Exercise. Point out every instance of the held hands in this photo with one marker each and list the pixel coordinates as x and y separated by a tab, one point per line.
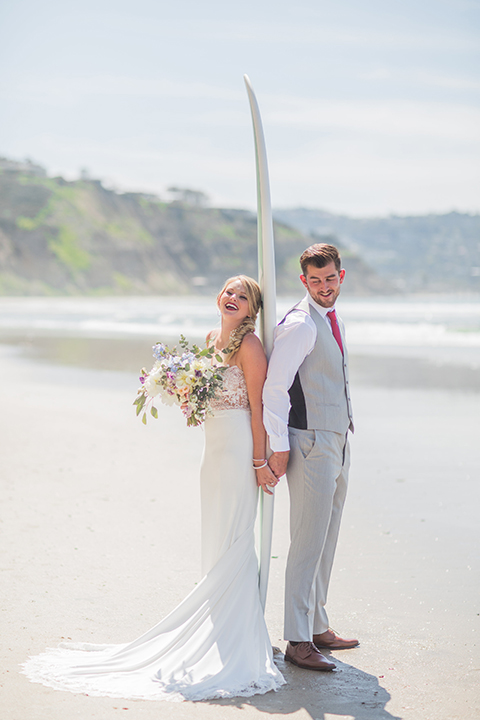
269	473
278	463
265	478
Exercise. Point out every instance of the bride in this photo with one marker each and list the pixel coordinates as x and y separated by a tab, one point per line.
215	643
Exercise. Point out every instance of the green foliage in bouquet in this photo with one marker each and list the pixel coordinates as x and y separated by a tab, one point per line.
187	377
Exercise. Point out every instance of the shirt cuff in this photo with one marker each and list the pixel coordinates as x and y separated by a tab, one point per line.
279	444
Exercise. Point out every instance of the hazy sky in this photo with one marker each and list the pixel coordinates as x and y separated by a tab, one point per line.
369	106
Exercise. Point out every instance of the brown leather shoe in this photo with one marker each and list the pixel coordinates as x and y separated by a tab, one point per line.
330	641
305	655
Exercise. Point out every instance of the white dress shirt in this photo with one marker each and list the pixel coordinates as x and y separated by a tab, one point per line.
294	340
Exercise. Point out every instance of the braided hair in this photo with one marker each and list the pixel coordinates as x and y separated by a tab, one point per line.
254	297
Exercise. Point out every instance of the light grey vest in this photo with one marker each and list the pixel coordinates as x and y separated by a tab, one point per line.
320	393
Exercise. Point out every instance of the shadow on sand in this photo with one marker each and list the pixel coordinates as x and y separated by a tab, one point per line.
345	692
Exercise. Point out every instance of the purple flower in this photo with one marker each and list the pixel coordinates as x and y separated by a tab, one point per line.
159	350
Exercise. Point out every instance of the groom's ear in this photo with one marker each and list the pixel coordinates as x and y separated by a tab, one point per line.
304	281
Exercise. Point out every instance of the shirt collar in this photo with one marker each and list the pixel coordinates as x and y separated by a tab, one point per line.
319	308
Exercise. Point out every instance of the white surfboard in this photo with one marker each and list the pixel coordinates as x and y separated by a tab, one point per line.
268	315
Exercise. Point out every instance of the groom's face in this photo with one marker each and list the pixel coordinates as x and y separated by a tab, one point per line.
323	284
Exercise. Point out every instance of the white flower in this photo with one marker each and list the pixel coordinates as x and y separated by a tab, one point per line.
184	379
168	398
152	383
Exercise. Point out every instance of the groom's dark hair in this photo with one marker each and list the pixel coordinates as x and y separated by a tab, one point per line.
319	255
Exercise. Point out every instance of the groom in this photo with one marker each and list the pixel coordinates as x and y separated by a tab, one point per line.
307	416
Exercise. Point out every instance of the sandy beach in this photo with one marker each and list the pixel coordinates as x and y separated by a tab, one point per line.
100	539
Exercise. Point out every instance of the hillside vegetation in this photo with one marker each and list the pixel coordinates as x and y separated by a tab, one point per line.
435	253
59	237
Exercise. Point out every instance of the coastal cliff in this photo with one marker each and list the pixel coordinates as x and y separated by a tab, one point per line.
60	237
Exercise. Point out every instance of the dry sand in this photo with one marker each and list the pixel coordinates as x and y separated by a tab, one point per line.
100	539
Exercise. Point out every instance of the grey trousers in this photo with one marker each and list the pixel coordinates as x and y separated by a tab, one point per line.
317	476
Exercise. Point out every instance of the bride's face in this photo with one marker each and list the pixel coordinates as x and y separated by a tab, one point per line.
233	302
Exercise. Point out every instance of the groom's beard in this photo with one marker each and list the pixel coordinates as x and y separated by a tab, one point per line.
326	301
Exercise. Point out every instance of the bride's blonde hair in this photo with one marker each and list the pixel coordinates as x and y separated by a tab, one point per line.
254	299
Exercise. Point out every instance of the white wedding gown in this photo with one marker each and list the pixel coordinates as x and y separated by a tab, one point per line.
215	644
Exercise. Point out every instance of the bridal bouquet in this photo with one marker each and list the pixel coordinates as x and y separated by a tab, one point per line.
186	378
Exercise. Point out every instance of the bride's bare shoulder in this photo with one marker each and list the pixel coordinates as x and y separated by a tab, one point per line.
251	345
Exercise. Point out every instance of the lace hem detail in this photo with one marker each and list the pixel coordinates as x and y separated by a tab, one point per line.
49	669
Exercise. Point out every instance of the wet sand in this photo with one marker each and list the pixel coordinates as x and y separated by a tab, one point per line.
100	539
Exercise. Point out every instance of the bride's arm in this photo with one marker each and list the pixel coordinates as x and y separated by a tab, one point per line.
251	359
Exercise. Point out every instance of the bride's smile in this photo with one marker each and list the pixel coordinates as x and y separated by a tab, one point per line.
233	302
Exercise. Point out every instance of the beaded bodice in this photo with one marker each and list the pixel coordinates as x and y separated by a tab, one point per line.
233	394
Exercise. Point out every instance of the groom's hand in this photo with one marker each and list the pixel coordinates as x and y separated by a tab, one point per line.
278	463
266	480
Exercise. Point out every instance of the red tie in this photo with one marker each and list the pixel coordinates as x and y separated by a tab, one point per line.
335	329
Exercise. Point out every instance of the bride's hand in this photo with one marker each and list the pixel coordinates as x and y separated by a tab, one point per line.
266	479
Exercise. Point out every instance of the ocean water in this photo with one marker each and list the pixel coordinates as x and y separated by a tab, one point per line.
421	343
429	322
